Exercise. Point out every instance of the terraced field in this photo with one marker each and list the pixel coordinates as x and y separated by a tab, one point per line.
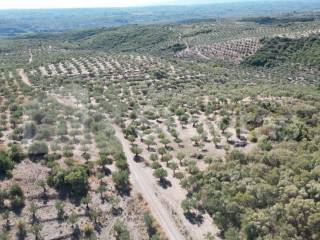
235	41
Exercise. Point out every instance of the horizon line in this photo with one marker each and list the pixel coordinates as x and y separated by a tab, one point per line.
139	6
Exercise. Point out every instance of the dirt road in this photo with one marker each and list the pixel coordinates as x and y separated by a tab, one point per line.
24	76
143	184
30	56
164	204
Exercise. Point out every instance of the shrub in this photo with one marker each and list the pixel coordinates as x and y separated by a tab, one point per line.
120	231
6	164
73	181
16	196
160	74
38	150
265	144
88	231
30	130
160	173
38	116
16	153
121	180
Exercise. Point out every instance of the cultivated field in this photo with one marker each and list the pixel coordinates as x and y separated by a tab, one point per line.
188	140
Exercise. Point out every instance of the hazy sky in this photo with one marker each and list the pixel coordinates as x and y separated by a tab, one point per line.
7	4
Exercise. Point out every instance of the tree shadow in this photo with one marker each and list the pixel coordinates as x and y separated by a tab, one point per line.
22	235
240	144
218	146
124	191
64	194
61	218
194	218
107	171
98	227
18	209
45	198
164	183
116	211
151	149
169	148
189	194
36	157
76	234
138	159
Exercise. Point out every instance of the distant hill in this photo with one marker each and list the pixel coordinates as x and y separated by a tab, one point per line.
281	50
59	20
131	38
283	20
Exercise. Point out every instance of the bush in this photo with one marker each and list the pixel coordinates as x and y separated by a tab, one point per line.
38	150
6	164
265	144
38	116
120	231
178	47
16	190
30	130
52	157
67	153
236	155
16	153
17	203
16	196
88	231
150	224
160	74
21	229
121	180
73	181
44	134
160	173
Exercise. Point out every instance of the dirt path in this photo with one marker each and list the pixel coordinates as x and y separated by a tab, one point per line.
24	76
141	182
164	204
31	56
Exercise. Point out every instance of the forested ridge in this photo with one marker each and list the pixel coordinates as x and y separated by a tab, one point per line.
279	50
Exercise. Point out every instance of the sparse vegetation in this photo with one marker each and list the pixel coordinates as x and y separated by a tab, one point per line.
214	121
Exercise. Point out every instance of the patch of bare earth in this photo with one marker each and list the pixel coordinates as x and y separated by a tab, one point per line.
24	76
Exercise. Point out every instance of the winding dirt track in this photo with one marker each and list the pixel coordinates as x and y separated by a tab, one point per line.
141	181
143	184
24	76
31	56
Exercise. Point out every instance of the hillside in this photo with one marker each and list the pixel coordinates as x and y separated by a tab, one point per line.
283	20
280	50
131	38
134	38
206	128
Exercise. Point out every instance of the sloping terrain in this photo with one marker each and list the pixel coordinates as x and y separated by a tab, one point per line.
158	132
134	38
280	50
